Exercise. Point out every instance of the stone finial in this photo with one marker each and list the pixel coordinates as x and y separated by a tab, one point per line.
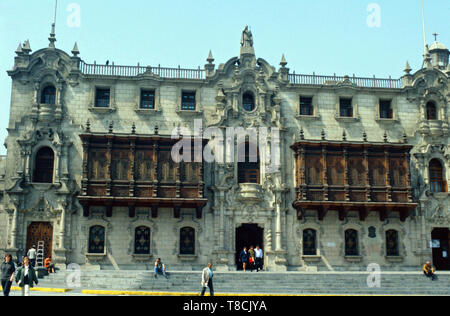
344	136
385	137
302	134
88	126
133	129
52	38
156	131
407	68
75	50
324	136
210	58
111	127
427	58
26	47
19	50
283	62
365	136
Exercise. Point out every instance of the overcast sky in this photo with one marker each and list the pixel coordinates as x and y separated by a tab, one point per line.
359	37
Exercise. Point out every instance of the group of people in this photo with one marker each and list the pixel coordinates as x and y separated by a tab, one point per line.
48	264
251	259
25	275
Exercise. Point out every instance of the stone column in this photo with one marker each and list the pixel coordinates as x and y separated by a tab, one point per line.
278	245
13	244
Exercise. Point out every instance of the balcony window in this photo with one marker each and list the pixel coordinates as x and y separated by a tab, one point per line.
48	95
431	111
386	111
188	101
248	165
248	102
437	182
43	168
345	107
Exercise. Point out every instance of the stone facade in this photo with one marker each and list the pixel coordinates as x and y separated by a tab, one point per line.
218	92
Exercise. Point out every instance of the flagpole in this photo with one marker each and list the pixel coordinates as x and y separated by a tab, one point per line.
423	26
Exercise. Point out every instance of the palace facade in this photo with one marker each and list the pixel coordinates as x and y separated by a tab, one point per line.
364	164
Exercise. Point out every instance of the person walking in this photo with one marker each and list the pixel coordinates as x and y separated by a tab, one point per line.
160	268
251	258
32	256
207	280
7	274
259	258
428	270
243	257
26	277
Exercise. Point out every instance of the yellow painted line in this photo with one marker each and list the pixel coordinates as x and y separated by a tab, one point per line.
42	289
142	293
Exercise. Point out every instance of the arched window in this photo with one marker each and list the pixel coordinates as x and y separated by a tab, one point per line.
142	240
351	243
43	166
187	241
431	111
48	95
248	164
248	101
309	242
437	182
392	248
97	239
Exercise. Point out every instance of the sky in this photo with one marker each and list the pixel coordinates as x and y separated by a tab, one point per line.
361	37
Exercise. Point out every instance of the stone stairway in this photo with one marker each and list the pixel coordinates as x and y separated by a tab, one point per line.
392	283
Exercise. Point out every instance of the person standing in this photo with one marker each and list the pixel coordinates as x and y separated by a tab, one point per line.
32	256
26	277
207	280
243	257
7	270
259	258
251	258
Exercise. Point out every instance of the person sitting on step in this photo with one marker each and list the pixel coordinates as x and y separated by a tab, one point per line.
428	270
160	268
49	265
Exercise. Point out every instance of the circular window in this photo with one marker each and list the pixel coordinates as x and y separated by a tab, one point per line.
248	102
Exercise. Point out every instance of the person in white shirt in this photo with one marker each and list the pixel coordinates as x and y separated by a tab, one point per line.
32	256
259	258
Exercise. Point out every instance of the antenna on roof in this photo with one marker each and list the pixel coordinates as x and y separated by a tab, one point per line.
423	27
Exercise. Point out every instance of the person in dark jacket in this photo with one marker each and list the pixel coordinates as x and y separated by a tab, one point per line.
7	270
243	257
26	277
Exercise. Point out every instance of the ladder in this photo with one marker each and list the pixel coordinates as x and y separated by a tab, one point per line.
40	255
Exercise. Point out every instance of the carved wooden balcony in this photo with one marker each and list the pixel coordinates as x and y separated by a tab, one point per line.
353	176
138	171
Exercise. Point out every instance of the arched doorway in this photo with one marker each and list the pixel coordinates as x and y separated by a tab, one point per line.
40	231
441	248
248	235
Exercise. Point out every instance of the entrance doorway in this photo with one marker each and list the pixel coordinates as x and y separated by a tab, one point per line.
40	231
248	235
441	248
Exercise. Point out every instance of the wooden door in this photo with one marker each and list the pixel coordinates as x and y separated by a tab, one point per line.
40	231
441	255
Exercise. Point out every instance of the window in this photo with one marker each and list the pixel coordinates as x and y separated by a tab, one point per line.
351	243
248	102
309	242
147	99
187	241
188	101
48	95
102	97
306	106
43	167
372	232
392	249
346	107
437	182
386	109
97	239
248	164
431	111
142	241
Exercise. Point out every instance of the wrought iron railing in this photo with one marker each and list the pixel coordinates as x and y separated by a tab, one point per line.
133	71
333	80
